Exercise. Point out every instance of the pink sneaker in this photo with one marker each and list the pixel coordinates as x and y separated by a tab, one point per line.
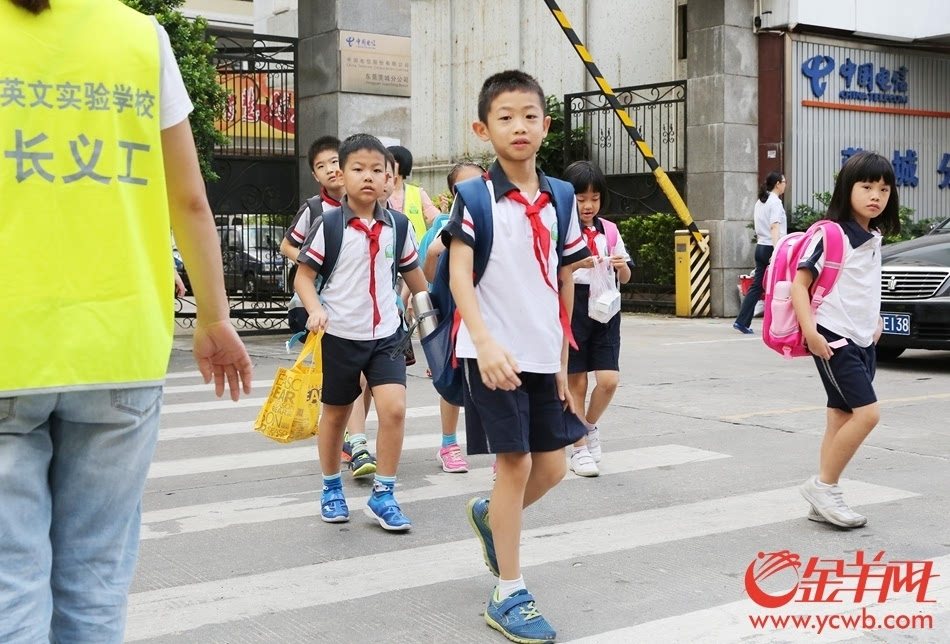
451	459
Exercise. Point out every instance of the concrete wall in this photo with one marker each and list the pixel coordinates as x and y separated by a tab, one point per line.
722	137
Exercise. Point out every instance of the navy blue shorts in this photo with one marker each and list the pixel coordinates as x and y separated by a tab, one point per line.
598	344
344	361
849	375
529	419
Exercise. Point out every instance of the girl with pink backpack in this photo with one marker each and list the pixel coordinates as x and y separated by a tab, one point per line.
841	325
598	343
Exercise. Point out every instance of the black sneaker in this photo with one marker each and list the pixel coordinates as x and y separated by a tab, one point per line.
362	463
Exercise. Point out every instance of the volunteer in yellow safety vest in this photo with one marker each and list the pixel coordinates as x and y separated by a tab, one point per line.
97	158
409	199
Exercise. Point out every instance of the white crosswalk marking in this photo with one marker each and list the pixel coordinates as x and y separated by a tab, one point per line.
209	388
179	375
210	516
182	608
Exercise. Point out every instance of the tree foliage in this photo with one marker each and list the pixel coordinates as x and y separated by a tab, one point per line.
551	154
193	50
649	241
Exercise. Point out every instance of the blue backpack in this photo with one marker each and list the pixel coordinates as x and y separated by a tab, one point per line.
439	346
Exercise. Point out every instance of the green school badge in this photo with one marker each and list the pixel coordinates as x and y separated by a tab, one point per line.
389	252
413	210
554	234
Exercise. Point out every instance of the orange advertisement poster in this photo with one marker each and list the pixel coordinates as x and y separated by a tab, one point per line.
254	109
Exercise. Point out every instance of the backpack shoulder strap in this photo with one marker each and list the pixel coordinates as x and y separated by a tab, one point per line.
612	233
315	204
477	199
400	224
333	225
833	239
564	207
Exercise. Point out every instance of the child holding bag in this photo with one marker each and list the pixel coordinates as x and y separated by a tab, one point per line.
598	343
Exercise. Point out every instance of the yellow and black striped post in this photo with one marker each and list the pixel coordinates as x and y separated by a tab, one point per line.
693	296
662	180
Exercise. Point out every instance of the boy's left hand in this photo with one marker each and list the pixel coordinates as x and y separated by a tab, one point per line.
563	391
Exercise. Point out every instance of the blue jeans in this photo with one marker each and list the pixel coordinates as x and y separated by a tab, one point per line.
763	255
72	472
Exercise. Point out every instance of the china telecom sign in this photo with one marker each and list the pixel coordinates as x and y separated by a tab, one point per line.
857	81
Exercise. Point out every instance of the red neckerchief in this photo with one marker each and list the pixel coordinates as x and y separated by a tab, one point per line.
591	235
327	198
373	236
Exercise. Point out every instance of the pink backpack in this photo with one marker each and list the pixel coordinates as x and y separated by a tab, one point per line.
780	330
612	233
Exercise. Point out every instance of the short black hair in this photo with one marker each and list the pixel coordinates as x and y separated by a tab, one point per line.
584	176
390	159
513	80
771	180
403	158
359	142
322	144
861	167
454	172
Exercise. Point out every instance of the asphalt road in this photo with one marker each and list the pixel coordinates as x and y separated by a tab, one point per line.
707	439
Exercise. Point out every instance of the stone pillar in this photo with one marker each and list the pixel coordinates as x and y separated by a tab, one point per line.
322	107
722	137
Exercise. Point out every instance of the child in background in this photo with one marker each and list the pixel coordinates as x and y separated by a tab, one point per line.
844	331
598	343
430	249
323	157
359	313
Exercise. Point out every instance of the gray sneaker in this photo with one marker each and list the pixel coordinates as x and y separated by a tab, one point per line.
813	515
829	504
593	444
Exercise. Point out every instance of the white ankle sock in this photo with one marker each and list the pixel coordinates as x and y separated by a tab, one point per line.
577	450
820	483
507	588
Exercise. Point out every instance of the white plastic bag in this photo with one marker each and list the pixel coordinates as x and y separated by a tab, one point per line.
604	295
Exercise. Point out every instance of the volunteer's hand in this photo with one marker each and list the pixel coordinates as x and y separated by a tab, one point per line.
220	354
819	346
317	320
443	203
618	261
563	391
179	286
498	368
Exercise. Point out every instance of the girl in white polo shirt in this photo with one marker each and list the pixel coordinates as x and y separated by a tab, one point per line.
843	333
598	343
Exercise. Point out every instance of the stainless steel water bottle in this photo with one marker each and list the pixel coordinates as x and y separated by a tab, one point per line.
426	315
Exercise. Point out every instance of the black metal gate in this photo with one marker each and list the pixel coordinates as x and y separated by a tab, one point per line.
659	113
256	194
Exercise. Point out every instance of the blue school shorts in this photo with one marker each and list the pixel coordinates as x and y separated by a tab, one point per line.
598	344
344	360
530	418
849	375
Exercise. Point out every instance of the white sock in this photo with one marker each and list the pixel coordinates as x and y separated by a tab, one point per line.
578	450
507	588
590	427
819	483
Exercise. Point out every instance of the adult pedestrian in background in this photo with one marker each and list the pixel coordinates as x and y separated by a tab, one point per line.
97	147
771	225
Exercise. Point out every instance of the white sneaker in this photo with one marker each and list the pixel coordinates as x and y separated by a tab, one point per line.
593	444
828	503
813	515
582	463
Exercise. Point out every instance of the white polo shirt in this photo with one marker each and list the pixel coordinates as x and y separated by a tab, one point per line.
582	275
300	226
853	307
346	295
521	311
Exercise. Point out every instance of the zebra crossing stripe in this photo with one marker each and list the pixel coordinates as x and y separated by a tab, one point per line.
182	374
212	405
278	455
182	608
730	622
170	522
247	426
209	388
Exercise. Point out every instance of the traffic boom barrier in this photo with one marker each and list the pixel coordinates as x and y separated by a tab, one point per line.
662	179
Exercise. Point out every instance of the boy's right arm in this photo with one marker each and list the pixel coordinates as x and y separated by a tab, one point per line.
498	368
288	250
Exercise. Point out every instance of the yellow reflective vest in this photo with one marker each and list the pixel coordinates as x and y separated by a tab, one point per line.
87	288
412	204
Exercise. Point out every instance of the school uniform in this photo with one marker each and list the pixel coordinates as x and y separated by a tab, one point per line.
850	314
598	343
364	326
300	225
520	306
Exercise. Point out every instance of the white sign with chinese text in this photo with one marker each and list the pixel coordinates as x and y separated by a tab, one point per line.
374	64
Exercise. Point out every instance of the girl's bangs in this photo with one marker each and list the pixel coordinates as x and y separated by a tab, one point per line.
872	167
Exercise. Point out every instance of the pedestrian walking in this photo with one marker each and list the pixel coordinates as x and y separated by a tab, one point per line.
842	334
97	145
771	225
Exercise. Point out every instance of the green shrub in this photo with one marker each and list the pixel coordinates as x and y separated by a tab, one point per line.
551	154
649	240
193	50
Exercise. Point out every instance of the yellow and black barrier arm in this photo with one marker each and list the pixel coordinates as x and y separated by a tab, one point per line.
664	181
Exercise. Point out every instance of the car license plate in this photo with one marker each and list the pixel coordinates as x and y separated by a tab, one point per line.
896	323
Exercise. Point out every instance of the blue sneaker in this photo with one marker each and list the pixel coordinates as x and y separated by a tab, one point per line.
384	507
477	510
516	618
742	329
333	506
